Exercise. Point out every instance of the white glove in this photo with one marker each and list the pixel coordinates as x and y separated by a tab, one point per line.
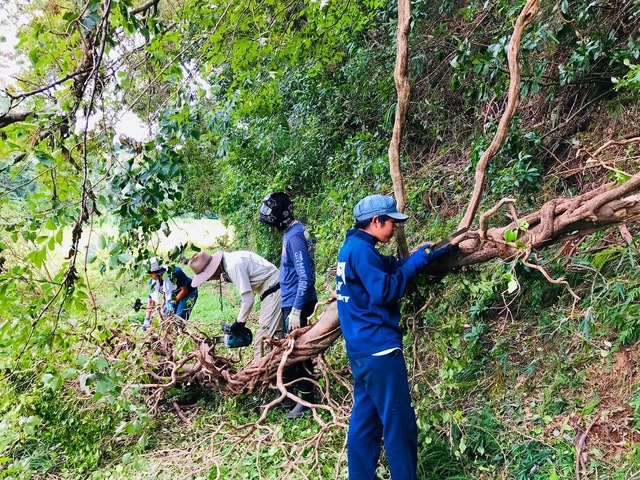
293	321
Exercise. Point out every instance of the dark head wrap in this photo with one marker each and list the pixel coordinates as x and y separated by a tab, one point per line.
276	210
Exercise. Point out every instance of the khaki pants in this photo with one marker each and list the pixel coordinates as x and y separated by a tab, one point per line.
270	318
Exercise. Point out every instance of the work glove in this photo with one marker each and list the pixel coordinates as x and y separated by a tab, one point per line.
423	256
293	320
171	307
237	327
446	250
137	305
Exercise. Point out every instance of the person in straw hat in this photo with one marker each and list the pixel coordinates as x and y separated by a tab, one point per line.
175	291
251	274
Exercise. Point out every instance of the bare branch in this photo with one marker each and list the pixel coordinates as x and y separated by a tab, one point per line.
14	117
144	7
403	88
527	16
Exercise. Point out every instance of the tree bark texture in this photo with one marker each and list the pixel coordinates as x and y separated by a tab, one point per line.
403	87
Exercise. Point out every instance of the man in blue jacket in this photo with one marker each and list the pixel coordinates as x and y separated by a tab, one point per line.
297	283
368	287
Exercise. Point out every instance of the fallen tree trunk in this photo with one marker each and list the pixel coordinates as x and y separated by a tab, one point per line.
561	219
208	370
309	343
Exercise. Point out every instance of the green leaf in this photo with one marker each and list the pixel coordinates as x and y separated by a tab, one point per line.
82	360
50	224
510	236
101	363
92	253
104	384
30	424
622	177
44	158
52	382
124	258
114	247
143	441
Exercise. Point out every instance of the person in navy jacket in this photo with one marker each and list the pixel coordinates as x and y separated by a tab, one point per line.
297	284
368	287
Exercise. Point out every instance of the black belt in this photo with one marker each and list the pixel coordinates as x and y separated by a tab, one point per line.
269	291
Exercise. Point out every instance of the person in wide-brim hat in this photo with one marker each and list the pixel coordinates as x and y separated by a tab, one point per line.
251	274
205	266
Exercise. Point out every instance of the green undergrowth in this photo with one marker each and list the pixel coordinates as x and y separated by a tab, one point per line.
507	381
502	381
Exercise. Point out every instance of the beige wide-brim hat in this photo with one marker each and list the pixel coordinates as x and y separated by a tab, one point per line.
204	266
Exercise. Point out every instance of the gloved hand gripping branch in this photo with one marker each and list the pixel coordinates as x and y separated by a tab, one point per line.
442	251
171	307
425	255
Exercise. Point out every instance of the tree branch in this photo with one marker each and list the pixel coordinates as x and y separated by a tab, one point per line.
527	15
14	117
144	7
403	88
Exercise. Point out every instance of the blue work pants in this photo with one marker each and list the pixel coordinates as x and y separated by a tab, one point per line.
185	305
382	408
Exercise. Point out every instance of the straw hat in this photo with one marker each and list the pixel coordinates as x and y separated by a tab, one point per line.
204	266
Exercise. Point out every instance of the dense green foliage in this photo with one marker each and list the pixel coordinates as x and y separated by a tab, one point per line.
245	98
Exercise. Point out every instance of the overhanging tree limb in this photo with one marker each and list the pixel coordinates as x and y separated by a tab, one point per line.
13	117
527	15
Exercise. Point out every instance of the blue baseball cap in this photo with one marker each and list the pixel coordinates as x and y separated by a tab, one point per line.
374	205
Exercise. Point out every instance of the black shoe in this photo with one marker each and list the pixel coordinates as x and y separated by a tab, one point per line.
286	403
298	411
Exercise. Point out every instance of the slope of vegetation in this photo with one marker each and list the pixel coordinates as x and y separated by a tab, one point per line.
514	375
